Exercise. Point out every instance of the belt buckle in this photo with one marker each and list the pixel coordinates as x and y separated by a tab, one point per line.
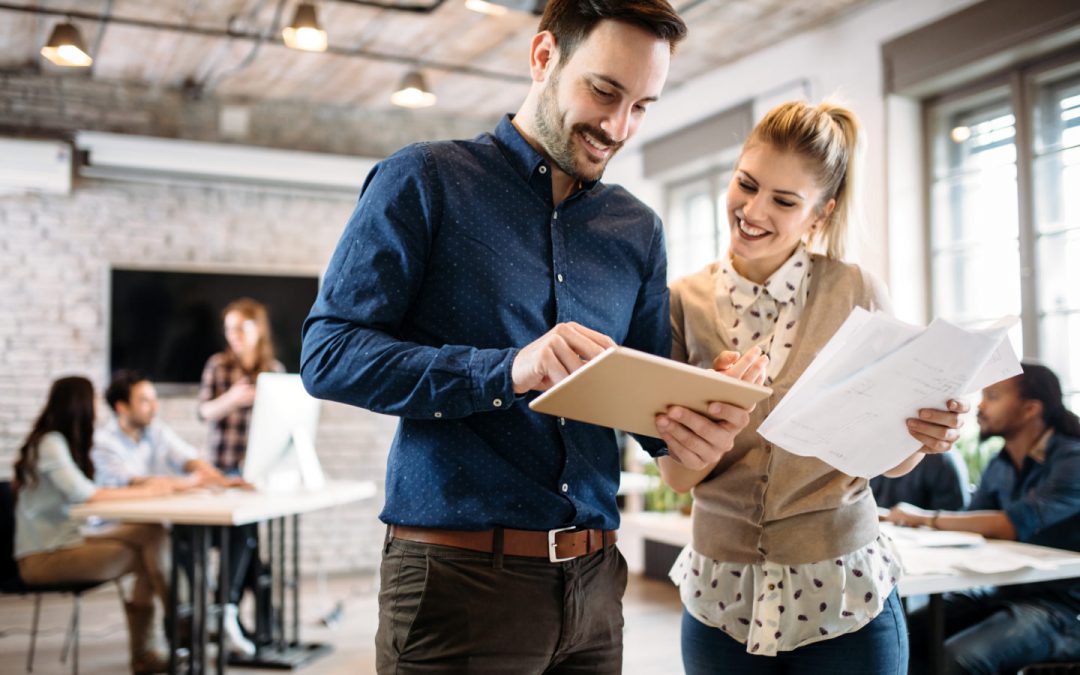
552	556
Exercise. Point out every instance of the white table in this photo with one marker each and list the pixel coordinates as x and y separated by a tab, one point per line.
940	572
201	512
947	569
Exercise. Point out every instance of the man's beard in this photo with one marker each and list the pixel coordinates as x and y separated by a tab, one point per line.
558	143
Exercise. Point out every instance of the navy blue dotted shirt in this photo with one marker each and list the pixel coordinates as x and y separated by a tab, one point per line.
454	259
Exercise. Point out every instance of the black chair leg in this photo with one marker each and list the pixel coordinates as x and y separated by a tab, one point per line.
33	633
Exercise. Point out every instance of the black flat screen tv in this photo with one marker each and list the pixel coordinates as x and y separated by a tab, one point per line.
167	323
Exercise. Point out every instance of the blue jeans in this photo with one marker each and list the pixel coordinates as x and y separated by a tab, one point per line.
989	631
878	648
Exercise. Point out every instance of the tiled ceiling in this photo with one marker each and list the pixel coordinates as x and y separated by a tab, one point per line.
476	64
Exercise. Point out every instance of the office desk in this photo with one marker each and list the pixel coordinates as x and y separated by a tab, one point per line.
940	570
204	512
946	569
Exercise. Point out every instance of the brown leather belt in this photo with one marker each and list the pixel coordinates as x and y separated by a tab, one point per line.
556	545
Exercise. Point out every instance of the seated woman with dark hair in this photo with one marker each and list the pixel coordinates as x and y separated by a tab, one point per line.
54	472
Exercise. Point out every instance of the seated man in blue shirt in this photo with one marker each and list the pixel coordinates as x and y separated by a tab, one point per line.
133	447
1030	492
471	275
938	483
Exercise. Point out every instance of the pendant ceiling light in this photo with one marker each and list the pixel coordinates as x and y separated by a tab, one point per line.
413	92
66	47
304	32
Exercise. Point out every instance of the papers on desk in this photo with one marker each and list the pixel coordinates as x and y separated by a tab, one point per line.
850	405
925	551
929	538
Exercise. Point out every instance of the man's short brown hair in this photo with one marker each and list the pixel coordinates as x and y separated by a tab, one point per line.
571	21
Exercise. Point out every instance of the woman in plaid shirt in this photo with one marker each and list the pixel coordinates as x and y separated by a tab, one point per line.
226	396
228	381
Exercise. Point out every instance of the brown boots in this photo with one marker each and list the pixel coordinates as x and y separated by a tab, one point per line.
146	656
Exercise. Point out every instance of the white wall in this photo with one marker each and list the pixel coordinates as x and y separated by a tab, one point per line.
842	57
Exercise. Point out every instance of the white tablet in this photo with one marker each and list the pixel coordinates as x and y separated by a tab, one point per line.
624	389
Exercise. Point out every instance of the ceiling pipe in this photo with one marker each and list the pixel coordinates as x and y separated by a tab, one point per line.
257	37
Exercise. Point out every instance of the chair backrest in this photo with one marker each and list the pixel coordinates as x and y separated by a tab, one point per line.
9	570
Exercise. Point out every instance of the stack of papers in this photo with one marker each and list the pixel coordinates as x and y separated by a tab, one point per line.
850	406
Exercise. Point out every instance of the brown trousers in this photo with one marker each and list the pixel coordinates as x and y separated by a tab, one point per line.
449	610
119	549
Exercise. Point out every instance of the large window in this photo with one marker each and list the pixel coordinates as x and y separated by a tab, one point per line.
696	222
1005	210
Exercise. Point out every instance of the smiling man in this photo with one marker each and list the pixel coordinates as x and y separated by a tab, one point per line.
471	275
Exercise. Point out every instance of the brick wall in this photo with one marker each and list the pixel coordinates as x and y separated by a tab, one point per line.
58	105
56	251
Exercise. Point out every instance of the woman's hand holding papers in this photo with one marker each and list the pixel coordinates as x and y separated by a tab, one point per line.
936	429
696	443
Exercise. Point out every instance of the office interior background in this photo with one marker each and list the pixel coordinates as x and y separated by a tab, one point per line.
197	141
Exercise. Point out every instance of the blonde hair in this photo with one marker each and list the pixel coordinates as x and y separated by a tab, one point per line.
829	139
253	310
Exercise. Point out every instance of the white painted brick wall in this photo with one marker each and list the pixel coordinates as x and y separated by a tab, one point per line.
55	253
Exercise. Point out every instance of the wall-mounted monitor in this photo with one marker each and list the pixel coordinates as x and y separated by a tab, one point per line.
166	323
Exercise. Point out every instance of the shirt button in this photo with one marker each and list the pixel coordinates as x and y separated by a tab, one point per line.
562	421
543	169
555	216
772	587
565	487
438	414
497	403
559	277
764	479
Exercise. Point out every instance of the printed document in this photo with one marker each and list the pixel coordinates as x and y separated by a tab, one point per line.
850	406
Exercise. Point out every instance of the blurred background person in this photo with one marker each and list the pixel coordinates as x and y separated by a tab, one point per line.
134	446
938	482
226	397
1030	492
53	472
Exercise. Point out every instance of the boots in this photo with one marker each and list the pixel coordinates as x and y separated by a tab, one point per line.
146	658
235	640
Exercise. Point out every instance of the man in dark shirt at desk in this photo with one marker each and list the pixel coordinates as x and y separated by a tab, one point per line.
1030	492
938	483
472	274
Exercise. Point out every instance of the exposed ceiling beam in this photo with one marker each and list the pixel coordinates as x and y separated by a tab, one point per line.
234	34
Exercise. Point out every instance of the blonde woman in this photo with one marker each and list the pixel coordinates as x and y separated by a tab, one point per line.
787	571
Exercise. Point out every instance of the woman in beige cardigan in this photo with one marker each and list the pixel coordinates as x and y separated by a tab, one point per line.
787	571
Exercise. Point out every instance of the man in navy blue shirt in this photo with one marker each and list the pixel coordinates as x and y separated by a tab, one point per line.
1030	492
471	275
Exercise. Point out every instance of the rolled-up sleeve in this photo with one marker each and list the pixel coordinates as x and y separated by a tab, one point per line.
352	351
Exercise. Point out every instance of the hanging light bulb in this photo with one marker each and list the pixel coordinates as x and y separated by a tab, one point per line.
485	7
66	47
304	32
413	92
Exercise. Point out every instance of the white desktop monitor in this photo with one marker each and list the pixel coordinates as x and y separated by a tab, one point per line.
281	438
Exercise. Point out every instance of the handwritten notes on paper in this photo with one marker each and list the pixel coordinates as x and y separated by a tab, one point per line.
850	406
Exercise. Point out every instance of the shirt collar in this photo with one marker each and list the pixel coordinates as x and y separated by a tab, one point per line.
782	285
113	427
524	157
1038	451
